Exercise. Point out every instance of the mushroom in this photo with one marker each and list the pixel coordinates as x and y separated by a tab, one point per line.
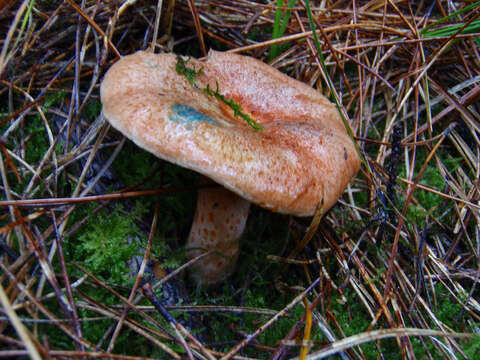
193	114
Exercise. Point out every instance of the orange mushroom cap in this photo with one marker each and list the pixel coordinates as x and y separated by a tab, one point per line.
302	156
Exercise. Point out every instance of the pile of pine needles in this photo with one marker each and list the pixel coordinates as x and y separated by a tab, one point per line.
400	250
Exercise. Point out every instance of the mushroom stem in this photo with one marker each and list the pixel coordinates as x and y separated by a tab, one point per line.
219	221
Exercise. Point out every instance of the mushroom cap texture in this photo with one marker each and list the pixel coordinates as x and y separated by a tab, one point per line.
302	156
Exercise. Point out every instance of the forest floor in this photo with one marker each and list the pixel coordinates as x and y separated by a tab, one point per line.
390	272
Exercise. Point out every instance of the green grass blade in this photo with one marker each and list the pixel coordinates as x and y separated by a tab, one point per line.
279	26
450	30
426	30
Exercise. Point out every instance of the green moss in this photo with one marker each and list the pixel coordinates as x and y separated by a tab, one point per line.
190	73
54	99
37	143
353	320
429	203
108	241
34	135
472	347
449	312
92	110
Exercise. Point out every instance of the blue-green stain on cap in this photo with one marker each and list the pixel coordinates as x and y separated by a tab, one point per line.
184	114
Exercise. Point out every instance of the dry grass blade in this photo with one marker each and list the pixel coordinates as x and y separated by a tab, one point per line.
21	330
86	218
351	341
86	199
94	25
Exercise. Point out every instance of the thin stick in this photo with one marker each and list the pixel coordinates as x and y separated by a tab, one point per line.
86	199
19	327
198	26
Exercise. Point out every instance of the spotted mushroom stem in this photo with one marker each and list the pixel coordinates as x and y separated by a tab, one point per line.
220	219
